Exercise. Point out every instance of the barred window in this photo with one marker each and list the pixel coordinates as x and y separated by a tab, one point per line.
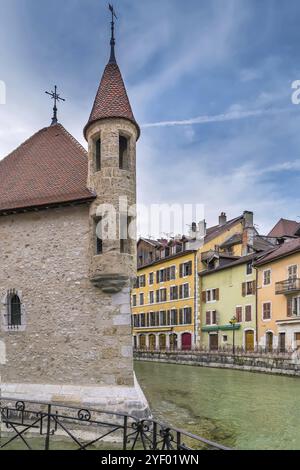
14	311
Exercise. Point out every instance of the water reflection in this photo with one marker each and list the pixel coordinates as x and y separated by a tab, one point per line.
238	409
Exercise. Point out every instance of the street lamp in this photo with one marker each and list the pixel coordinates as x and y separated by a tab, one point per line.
233	322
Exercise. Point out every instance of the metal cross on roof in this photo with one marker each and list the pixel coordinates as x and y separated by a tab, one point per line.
56	97
112	41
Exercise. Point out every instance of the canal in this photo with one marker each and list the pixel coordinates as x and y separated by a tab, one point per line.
239	409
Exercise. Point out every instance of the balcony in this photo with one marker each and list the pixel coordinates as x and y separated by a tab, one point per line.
290	286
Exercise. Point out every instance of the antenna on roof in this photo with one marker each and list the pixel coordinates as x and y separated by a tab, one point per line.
55	96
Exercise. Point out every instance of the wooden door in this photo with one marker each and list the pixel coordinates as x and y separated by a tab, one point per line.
213	342
269	342
162	342
282	342
173	341
152	342
249	340
142	342
297	340
186	342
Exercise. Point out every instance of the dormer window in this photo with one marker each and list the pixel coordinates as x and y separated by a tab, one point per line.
98	155
123	152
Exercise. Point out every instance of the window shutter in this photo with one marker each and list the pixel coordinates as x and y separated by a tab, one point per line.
190	268
217	294
244	289
290	307
180	291
208	318
181	270
157	277
204	296
214	317
254	286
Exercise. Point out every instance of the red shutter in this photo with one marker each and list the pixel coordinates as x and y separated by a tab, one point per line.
290	307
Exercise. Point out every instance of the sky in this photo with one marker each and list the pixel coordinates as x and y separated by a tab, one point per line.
209	82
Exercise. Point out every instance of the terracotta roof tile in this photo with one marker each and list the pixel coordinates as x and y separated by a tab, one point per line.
50	167
285	228
286	249
111	100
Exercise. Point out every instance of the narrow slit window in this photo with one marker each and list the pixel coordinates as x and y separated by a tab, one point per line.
98	239
125	242
123	153
98	155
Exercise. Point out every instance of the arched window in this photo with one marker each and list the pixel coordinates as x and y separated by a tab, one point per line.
14	311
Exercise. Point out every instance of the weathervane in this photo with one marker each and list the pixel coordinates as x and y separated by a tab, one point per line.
55	96
112	41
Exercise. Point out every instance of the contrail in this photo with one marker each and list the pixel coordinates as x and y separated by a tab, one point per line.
230	116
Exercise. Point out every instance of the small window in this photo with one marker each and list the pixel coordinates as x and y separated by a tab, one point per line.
151	297
225	338
14	312
141	299
267	311
134	300
98	155
151	279
249	268
293	271
99	242
239	314
248	313
123	153
267	277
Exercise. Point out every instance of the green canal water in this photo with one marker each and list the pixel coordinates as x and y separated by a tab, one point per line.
239	409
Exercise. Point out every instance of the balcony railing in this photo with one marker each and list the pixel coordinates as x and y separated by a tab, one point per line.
288	286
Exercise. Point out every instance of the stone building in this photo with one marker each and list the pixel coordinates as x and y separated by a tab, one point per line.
65	331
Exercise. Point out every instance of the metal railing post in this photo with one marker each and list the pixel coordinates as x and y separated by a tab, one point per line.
47	441
125	433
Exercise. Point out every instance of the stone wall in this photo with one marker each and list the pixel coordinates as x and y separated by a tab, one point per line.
73	333
251	363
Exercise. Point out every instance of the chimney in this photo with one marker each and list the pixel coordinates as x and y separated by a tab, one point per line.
248	219
201	232
248	233
222	219
193	230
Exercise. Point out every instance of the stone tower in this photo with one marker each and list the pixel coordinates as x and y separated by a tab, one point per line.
112	133
65	314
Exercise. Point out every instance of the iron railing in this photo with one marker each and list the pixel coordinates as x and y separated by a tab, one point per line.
288	286
226	350
41	426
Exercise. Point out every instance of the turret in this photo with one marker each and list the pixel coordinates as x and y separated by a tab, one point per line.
112	133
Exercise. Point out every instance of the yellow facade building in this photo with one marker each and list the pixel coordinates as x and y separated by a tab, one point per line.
166	301
278	297
163	303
